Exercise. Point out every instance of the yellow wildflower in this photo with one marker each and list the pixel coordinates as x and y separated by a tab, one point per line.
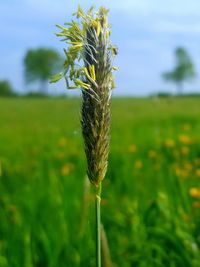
196	204
178	171
188	166
66	169
169	143
194	192
185	139
197	172
62	141
138	164
152	154
185	150
132	148
181	172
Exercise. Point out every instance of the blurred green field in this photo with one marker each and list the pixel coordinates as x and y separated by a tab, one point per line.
151	195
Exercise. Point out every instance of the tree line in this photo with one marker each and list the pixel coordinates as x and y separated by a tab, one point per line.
183	70
40	64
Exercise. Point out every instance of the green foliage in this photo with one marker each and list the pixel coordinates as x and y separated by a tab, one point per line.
40	64
184	69
6	89
151	201
161	94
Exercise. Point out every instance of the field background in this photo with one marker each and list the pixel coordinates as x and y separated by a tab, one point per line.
151	195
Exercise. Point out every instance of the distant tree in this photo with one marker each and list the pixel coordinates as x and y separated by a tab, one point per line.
40	64
6	89
183	70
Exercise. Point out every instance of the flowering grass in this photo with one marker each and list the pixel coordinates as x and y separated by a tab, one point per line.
152	209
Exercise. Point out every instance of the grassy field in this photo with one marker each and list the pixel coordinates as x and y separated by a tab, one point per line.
151	195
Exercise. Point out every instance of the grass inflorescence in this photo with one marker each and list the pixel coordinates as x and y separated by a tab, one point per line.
90	47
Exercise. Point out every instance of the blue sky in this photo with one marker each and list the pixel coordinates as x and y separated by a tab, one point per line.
145	31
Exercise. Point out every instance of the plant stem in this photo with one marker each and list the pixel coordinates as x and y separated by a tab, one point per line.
98	226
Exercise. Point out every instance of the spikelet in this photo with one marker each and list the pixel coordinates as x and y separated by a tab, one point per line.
96	105
90	47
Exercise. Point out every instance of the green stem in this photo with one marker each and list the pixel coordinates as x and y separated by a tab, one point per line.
98	226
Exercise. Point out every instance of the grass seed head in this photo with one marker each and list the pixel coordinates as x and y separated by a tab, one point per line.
89	66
